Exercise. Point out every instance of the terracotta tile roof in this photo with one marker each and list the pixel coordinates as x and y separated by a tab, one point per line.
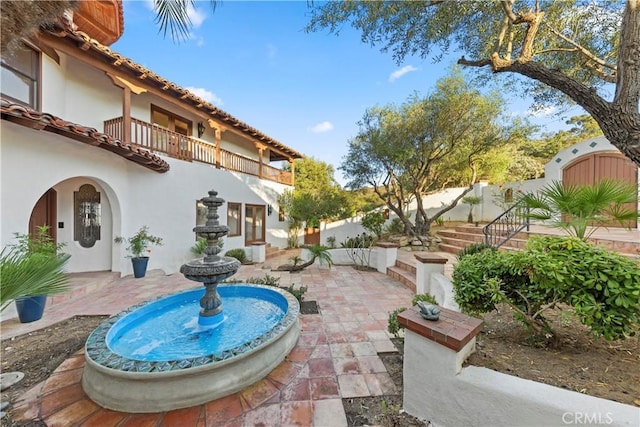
85	42
31	118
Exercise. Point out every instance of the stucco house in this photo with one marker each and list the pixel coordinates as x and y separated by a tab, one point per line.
96	146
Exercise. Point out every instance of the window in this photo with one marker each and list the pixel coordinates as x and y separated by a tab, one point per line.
20	76
86	216
170	121
234	219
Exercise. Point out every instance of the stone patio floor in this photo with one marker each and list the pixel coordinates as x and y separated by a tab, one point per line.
335	357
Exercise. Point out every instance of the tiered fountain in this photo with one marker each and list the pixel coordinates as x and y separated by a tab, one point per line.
165	355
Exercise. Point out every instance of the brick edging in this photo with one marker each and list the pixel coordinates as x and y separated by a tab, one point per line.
452	330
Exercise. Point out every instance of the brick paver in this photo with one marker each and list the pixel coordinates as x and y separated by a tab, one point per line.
335	357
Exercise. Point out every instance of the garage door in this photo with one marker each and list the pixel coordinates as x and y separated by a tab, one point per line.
592	168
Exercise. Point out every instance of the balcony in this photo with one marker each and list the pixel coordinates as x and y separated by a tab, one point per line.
160	140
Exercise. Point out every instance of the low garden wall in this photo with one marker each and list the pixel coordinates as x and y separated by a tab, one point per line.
438	389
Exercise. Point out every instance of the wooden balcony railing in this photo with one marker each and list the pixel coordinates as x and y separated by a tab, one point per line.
158	139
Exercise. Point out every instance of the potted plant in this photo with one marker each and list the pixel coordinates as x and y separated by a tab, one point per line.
31	270
139	248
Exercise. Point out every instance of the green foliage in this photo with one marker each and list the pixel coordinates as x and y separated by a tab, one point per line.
602	287
296	292
201	245
474	28
373	222
473	249
269	280
139	242
42	243
424	298
405	153
471	201
393	325
396	226
317	195
33	266
575	208
331	242
237	253
322	254
439	221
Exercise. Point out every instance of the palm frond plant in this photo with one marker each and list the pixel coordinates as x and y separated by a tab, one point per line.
28	275
33	266
580	210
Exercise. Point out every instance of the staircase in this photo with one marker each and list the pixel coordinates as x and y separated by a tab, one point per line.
273	251
404	273
622	241
453	241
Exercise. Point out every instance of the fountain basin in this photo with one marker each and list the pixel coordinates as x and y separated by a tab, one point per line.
133	382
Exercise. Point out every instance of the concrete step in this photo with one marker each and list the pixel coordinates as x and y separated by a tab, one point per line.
455	234
406	278
411	268
274	252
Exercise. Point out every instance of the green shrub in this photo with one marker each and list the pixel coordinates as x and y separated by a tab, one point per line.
396	226
201	245
269	280
602	287
393	325
238	254
425	298
373	222
473	249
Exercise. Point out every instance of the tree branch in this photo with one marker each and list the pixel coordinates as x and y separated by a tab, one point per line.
581	49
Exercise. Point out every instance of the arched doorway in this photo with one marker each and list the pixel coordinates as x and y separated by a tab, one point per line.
79	213
594	167
45	212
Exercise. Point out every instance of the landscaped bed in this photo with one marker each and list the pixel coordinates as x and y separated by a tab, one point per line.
607	369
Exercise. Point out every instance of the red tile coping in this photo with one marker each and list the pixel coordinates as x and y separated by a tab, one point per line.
387	245
431	259
453	330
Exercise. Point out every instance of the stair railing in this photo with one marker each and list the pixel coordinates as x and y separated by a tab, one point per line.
508	224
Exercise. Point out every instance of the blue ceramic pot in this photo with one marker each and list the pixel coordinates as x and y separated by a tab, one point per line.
31	308
139	266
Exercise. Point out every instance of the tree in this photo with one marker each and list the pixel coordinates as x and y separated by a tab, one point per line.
572	47
316	197
424	146
22	18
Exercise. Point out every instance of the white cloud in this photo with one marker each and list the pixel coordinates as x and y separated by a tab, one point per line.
205	94
321	127
401	72
196	16
272	52
542	111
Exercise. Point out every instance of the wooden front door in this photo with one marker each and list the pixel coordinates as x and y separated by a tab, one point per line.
45	213
593	168
254	219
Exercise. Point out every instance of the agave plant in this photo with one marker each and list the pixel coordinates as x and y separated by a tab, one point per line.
580	210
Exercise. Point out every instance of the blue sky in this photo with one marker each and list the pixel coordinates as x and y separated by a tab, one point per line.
308	91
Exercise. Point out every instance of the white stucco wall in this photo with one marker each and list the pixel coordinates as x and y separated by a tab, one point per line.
438	389
34	161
